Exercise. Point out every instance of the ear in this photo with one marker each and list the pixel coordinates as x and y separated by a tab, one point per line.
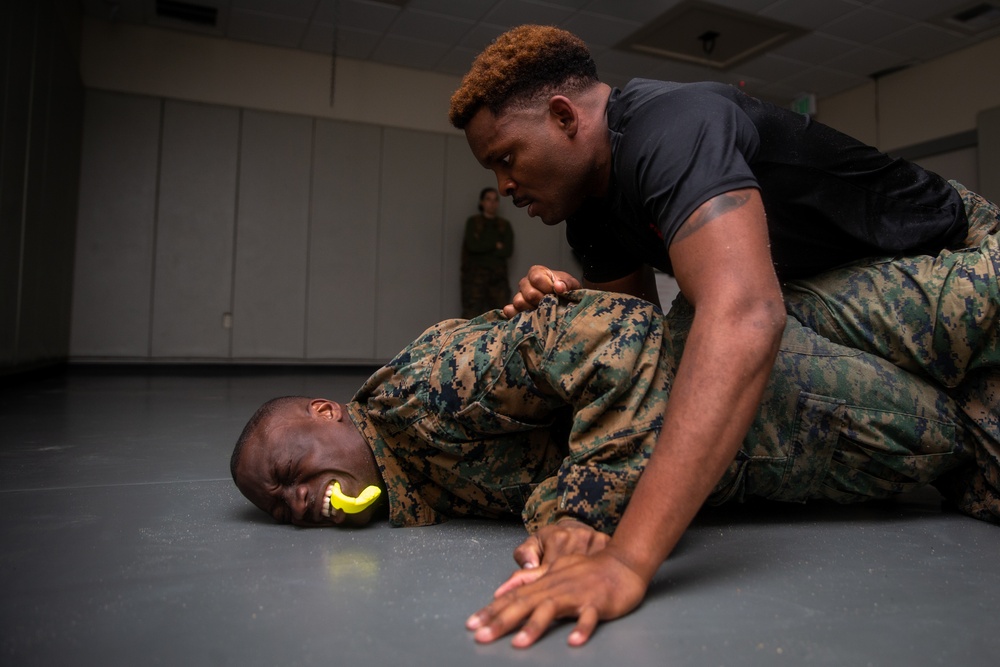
564	112
322	408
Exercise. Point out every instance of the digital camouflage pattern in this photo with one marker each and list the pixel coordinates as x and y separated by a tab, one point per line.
882	307
554	413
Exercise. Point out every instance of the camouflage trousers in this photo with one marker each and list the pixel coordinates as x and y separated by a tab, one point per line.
936	317
834	423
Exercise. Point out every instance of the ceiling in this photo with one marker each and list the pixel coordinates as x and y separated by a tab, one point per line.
844	44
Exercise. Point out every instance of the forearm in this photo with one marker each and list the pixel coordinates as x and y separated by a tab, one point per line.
716	393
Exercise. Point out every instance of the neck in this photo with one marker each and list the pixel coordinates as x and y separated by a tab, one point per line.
594	105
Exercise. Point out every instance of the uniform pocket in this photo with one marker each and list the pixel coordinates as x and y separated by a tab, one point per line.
883	453
793	465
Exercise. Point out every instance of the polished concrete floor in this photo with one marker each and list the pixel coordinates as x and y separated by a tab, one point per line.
124	542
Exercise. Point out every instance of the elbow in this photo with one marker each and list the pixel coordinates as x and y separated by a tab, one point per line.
769	318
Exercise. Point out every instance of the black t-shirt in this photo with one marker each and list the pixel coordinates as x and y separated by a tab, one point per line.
829	199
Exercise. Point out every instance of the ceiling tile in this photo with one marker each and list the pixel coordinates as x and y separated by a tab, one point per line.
431	27
519	12
129	11
598	29
769	67
632	10
265	28
921	42
570	4
298	9
403	52
631	65
809	13
365	15
866	26
814	49
922	10
746	6
480	36
466	9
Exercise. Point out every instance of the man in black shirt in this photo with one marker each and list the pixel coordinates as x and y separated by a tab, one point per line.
724	192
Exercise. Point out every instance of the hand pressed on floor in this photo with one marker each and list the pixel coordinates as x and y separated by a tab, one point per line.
594	588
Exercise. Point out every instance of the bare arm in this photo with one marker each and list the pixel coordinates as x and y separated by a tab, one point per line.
723	266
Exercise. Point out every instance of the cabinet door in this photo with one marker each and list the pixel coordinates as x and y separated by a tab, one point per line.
269	294
343	241
410	238
114	253
194	231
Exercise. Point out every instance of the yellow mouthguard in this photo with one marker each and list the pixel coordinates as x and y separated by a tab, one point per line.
348	505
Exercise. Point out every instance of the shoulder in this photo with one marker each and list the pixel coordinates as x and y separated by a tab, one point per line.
645	100
669	123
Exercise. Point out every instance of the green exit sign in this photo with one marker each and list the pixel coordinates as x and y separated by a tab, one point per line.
804	103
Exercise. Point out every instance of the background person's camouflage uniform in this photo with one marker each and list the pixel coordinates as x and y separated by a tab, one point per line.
554	413
486	247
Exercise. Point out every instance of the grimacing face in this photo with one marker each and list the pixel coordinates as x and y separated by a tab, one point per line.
289	471
534	157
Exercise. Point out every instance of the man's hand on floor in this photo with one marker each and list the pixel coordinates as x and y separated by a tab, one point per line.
594	588
538	551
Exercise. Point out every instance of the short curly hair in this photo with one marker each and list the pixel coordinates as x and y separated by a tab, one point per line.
518	67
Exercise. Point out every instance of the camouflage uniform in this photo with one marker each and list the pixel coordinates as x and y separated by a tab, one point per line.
882	307
554	413
486	247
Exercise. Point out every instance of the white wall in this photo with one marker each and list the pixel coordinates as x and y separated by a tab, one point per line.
222	188
922	103
401	183
183	66
928	103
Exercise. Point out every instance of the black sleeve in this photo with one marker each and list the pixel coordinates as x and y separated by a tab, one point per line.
677	149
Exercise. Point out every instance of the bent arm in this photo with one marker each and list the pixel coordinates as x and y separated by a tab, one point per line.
723	266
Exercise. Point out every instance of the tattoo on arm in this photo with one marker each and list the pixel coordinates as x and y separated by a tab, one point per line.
710	210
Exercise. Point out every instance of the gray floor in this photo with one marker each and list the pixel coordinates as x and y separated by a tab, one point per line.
125	542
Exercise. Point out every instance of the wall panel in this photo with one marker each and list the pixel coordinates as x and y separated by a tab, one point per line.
343	241
988	125
194	234
269	296
464	178
410	251
114	252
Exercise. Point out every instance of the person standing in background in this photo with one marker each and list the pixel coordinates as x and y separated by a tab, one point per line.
488	243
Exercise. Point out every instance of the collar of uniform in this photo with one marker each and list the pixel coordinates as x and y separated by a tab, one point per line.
406	507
